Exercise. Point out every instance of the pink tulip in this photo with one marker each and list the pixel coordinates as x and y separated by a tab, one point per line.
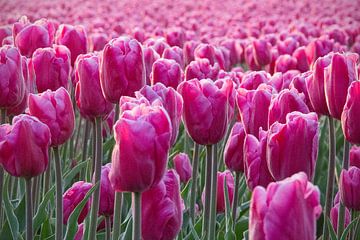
175	37
80	232
183	166
233	152
175	53
222	177
252	80
189	48
355	156
285	210
318	48
349	188
235	50
287	46
350	114
167	72
281	80
299	83
284	63
261	52
159	44
5	31
150	56
201	69
98	41
301	59
107	193
334	214
211	53
34	138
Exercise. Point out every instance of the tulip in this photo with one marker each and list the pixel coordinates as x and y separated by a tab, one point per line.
337	79
253	79
301	59
80	232
150	56
161	209
50	68
11	77
201	69
175	37
350	114
222	177
55	110
88	94
159	44
167	72
262	52
144	133
189	48
255	167
293	147
233	151
183	166
170	99
107	193
176	54
5	31
355	156
34	138
235	49
253	107
72	197
318	48
287	46
334	214
211	53
284	63
299	83
122	68
285	102
250	58
282	81
98	41
349	188
74	38
206	109
285	210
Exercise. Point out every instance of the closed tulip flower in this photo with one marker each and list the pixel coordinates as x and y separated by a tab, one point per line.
284	63
167	72
144	133
50	68
206	107
255	166
74	38
150	56
293	147
282	81
355	156
285	102
250	58
161	209
72	197
159	44
318	48
201	69
299	83
11	77
98	41
189	48
34	138
211	53
350	188
170	99
88	94
338	77
262	52
252	80
107	193
301	59
234	48
285	210
175	37
350	114
233	152
5	31
176	54
122	68
183	166
334	214
55	110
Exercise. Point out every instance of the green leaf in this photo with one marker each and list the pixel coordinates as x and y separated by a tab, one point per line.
9	211
69	176
348	228
331	229
127	235
46	230
72	225
42	215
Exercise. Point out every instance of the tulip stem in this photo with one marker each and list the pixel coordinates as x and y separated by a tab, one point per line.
213	196
136	215
341	219
195	164
97	178
47	175
235	199
3	121
29	227
59	204
107	228
208	167
117	112
330	177
117	216
85	146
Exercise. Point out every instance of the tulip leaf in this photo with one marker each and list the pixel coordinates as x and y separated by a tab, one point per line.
9	211
69	176
348	228
331	230
41	215
127	235
46	230
72	225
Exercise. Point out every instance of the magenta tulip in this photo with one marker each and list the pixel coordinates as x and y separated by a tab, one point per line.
262	52
175	37
349	188
299	83
5	31
80	232
350	114
98	41
233	151
252	80
355	156
301	58
234	48
189	48
211	53
176	54
150	56
183	166
201	69
167	72
282	81
334	214
224	178
107	193
285	63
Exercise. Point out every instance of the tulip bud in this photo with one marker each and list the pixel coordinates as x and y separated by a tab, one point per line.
161	209
50	68
334	214
251	80
80	232
211	53
201	69
55	110
233	152
301	59
88	94
235	50
349	188
122	68
150	56
34	138
189	48
355	156
183	166
285	210
144	133
175	53
175	37
206	107
98	41
261	52
5	31
107	193
287	46
159	44
167	72
72	197
74	38
299	83
284	63
337	79
318	48
293	147
250	59
281	80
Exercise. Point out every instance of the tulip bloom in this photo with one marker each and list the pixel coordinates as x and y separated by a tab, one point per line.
50	68
334	214
107	193
299	83
201	69
285	210
167	72
211	53
228	178
56	111
284	63
355	156
338	77
183	166
122	68
150	56
350	114
302	61
12	88
88	94
98	41
262	52
161	209
282	81
253	79
293	147
72	197
176	54
189	48
144	133
175	37
74	38
233	152
206	107
349	188
34	139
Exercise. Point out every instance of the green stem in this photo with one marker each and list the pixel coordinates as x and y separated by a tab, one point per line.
330	177
235	199
354	231
78	131
213	198
117	216
208	167
195	164
47	175
59	204
97	173
107	227
3	121
85	146
136	215
29	227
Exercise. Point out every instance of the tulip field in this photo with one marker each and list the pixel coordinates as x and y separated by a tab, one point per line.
185	120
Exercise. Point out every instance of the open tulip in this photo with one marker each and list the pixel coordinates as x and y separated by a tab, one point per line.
183	166
350	114
349	188
167	72
233	152
285	210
